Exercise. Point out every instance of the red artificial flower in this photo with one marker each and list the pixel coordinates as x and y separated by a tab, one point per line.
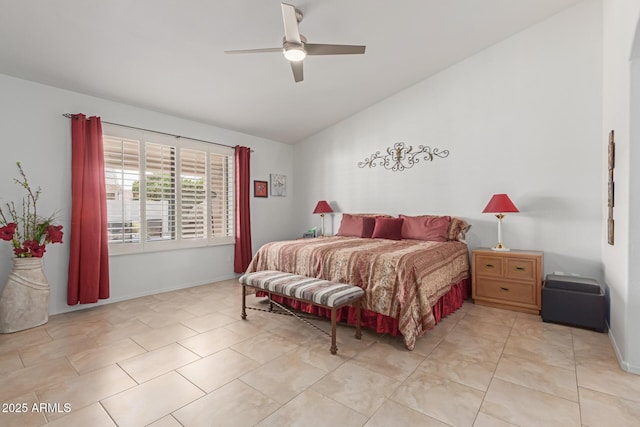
28	232
6	232
38	251
29	244
54	233
33	248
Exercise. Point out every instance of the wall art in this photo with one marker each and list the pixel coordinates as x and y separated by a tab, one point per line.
401	157
611	161
260	189
278	185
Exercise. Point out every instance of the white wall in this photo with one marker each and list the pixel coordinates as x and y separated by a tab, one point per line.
522	117
631	358
35	133
621	101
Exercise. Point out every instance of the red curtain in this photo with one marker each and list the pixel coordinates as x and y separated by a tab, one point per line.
89	256
243	216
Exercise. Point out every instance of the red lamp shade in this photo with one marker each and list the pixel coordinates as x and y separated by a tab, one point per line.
322	207
500	203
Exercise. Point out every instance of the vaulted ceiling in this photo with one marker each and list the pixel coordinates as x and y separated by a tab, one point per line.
168	55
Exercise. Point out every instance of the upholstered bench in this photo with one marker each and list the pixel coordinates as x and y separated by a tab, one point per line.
305	289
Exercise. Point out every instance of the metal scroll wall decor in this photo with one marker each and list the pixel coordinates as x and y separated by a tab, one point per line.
400	157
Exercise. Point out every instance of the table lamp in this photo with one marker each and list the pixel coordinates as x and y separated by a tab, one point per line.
499	204
322	208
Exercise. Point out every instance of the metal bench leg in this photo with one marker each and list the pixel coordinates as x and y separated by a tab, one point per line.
244	304
334	347
358	330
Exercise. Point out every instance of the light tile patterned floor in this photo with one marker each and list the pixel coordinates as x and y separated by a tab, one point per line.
186	358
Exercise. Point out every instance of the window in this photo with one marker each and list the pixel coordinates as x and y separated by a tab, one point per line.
166	192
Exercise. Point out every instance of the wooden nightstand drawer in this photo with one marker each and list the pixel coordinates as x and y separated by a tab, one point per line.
489	266
506	291
521	269
507	279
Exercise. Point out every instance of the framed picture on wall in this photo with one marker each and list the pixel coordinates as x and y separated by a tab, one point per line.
610	230
611	187
611	193
611	151
278	185
260	189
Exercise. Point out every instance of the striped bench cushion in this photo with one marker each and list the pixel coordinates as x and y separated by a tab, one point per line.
303	288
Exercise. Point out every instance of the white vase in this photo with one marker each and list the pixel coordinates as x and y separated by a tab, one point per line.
24	301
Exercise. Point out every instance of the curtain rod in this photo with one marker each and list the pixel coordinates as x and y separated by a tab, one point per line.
69	116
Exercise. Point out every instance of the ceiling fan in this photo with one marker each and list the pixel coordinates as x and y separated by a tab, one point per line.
295	46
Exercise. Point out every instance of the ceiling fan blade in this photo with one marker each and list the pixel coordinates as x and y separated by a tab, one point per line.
296	67
291	32
266	50
333	49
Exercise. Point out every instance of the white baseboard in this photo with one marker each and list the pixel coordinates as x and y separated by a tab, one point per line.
112	300
624	365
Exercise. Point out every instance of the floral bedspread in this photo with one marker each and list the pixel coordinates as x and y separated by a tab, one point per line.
402	279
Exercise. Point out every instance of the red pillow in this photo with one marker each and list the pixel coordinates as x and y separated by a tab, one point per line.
388	228
357	226
426	227
368	224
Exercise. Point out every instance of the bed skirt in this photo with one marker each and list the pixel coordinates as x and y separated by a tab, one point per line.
447	304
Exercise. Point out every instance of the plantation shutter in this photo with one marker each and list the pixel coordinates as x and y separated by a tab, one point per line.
122	172
221	193
193	195
160	184
166	192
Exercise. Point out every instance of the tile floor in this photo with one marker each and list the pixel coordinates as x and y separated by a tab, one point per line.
186	358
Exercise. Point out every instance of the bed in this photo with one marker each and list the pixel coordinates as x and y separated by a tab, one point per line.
409	283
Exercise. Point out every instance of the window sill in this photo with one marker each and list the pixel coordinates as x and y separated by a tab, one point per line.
151	247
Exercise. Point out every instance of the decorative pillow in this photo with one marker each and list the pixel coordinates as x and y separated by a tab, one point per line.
426	227
457	229
369	223
388	228
357	226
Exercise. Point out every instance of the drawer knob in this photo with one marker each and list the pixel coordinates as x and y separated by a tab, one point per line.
504	289
489	265
520	268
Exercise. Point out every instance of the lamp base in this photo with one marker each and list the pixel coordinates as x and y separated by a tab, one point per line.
500	248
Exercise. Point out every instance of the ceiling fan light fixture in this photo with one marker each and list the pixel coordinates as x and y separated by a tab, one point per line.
295	47
294	52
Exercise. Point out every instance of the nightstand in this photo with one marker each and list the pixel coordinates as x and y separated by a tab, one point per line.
510	280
